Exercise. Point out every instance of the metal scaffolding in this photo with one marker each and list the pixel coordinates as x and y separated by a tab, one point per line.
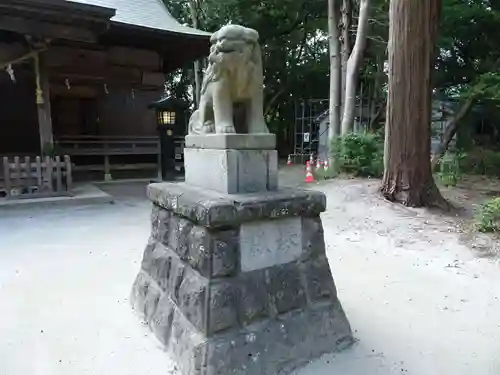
306	128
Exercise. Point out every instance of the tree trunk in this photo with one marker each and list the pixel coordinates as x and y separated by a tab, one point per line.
358	125
346	23
451	129
335	70
376	106
353	67
407	174
375	118
272	103
194	9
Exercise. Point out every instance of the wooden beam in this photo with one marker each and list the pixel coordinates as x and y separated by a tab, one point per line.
112	75
76	91
153	79
43	29
118	74
61	75
20	59
59	56
134	57
43	106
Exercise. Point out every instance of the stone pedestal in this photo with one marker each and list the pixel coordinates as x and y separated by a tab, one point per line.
232	163
238	283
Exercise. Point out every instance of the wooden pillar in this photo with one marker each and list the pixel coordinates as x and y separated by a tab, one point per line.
159	163
43	103
107	169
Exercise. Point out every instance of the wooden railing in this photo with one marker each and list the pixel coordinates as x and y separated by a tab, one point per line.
108	146
36	177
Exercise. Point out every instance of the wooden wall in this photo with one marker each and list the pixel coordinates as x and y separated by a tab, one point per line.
126	114
115	66
117	113
109	92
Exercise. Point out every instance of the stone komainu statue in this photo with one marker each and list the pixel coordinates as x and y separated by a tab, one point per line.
232	89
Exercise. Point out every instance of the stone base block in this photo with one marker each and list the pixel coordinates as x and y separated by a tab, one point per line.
267	347
232	171
239	284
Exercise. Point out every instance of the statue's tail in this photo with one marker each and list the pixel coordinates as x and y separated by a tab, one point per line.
196	127
194	123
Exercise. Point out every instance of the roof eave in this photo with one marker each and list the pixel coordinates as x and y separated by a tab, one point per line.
84	10
180	32
176	48
168	102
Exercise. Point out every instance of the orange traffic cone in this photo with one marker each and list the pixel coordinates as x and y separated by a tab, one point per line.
311	159
309	175
289	161
318	165
325	165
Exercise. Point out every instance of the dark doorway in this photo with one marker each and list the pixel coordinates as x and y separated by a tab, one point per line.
75	116
19	133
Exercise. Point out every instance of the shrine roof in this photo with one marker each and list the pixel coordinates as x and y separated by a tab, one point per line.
150	14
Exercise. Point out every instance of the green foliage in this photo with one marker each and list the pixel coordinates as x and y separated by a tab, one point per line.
359	154
469	48
296	60
487	85
488	217
449	169
481	162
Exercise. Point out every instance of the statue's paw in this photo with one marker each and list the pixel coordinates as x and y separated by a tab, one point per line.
208	127
227	129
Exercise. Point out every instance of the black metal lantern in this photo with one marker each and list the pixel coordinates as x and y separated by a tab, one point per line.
171	115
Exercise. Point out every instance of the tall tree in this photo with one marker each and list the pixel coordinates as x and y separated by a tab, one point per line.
354	65
373	75
346	24
335	69
194	10
408	178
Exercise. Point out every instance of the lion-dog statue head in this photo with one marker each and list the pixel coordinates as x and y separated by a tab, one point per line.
232	84
235	52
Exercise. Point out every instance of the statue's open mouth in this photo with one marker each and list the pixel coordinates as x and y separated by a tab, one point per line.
223	49
230	46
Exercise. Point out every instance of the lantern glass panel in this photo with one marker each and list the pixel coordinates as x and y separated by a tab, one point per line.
168	118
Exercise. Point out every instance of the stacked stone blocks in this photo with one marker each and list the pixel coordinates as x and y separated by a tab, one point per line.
238	284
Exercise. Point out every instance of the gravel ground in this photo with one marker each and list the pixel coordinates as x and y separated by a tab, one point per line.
419	301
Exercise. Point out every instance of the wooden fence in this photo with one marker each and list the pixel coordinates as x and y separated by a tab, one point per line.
28	178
